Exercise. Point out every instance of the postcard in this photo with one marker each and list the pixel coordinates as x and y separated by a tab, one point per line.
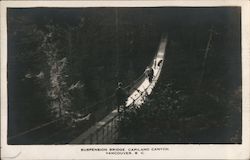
125	79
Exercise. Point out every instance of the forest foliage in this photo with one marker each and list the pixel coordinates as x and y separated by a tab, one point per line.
62	62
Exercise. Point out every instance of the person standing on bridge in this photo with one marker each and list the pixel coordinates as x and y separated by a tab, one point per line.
159	63
149	72
151	75
121	97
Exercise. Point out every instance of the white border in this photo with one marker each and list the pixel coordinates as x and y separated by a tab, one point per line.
175	151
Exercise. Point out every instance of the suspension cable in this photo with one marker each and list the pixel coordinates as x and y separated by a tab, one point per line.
35	128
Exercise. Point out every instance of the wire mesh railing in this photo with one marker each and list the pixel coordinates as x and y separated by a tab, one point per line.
105	134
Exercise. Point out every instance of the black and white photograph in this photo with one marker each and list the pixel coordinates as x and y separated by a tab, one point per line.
124	75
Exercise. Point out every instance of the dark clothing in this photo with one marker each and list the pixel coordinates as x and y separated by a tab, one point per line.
121	97
149	72
150	75
159	63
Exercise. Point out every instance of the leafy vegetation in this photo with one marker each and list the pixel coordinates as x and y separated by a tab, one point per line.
61	62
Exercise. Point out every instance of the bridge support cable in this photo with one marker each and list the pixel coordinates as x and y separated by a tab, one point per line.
35	128
204	63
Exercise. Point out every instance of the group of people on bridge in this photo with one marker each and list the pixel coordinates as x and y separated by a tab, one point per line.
122	93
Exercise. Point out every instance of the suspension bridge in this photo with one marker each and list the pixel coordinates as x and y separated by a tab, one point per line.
105	130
